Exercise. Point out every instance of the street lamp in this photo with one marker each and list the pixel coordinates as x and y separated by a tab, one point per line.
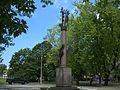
41	65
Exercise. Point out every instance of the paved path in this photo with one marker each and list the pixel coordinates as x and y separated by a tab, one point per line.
37	87
99	88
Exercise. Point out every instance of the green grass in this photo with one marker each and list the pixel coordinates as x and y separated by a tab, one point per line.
38	83
2	81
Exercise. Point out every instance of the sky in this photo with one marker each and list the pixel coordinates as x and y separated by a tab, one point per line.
39	23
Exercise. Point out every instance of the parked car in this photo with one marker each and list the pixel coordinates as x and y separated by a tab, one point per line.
16	80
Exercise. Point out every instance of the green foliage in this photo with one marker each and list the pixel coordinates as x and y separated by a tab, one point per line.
53	36
26	63
93	37
46	2
11	24
2	81
3	67
12	13
109	19
23	65
40	53
17	62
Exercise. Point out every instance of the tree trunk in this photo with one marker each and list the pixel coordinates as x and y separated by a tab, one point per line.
77	82
118	79
100	79
106	80
91	80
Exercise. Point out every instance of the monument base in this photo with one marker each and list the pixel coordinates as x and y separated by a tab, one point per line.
63	88
63	77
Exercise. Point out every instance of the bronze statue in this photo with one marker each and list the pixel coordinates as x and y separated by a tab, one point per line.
61	53
65	14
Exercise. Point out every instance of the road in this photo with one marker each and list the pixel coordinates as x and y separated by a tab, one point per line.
25	87
37	87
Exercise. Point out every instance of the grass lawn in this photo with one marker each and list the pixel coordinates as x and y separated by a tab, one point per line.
2	81
38	83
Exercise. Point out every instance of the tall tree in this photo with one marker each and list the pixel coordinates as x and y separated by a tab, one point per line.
95	38
12	22
109	18
3	67
16	68
40	55
11	25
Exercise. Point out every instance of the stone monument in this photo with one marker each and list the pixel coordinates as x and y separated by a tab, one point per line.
63	73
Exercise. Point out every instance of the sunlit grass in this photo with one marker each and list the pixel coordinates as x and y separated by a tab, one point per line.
2	81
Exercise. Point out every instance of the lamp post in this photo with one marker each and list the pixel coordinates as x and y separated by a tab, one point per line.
41	65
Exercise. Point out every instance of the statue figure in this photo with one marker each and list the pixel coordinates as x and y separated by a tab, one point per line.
61	53
65	14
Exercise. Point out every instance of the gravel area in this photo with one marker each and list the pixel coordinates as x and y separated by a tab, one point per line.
37	87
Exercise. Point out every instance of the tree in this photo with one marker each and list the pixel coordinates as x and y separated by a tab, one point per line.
109	18
12	15
12	25
12	22
53	36
26	63
82	30
95	39
3	67
30	69
16	67
23	65
39	52
46	2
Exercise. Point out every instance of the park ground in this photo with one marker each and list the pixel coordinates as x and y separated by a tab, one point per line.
36	86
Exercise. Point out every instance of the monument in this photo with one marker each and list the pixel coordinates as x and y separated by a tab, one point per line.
63	73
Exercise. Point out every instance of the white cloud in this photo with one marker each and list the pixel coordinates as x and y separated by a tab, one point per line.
55	1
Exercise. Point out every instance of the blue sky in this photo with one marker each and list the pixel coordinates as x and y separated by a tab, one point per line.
41	21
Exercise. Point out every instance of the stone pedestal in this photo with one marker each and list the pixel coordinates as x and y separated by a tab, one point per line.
63	77
63	88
